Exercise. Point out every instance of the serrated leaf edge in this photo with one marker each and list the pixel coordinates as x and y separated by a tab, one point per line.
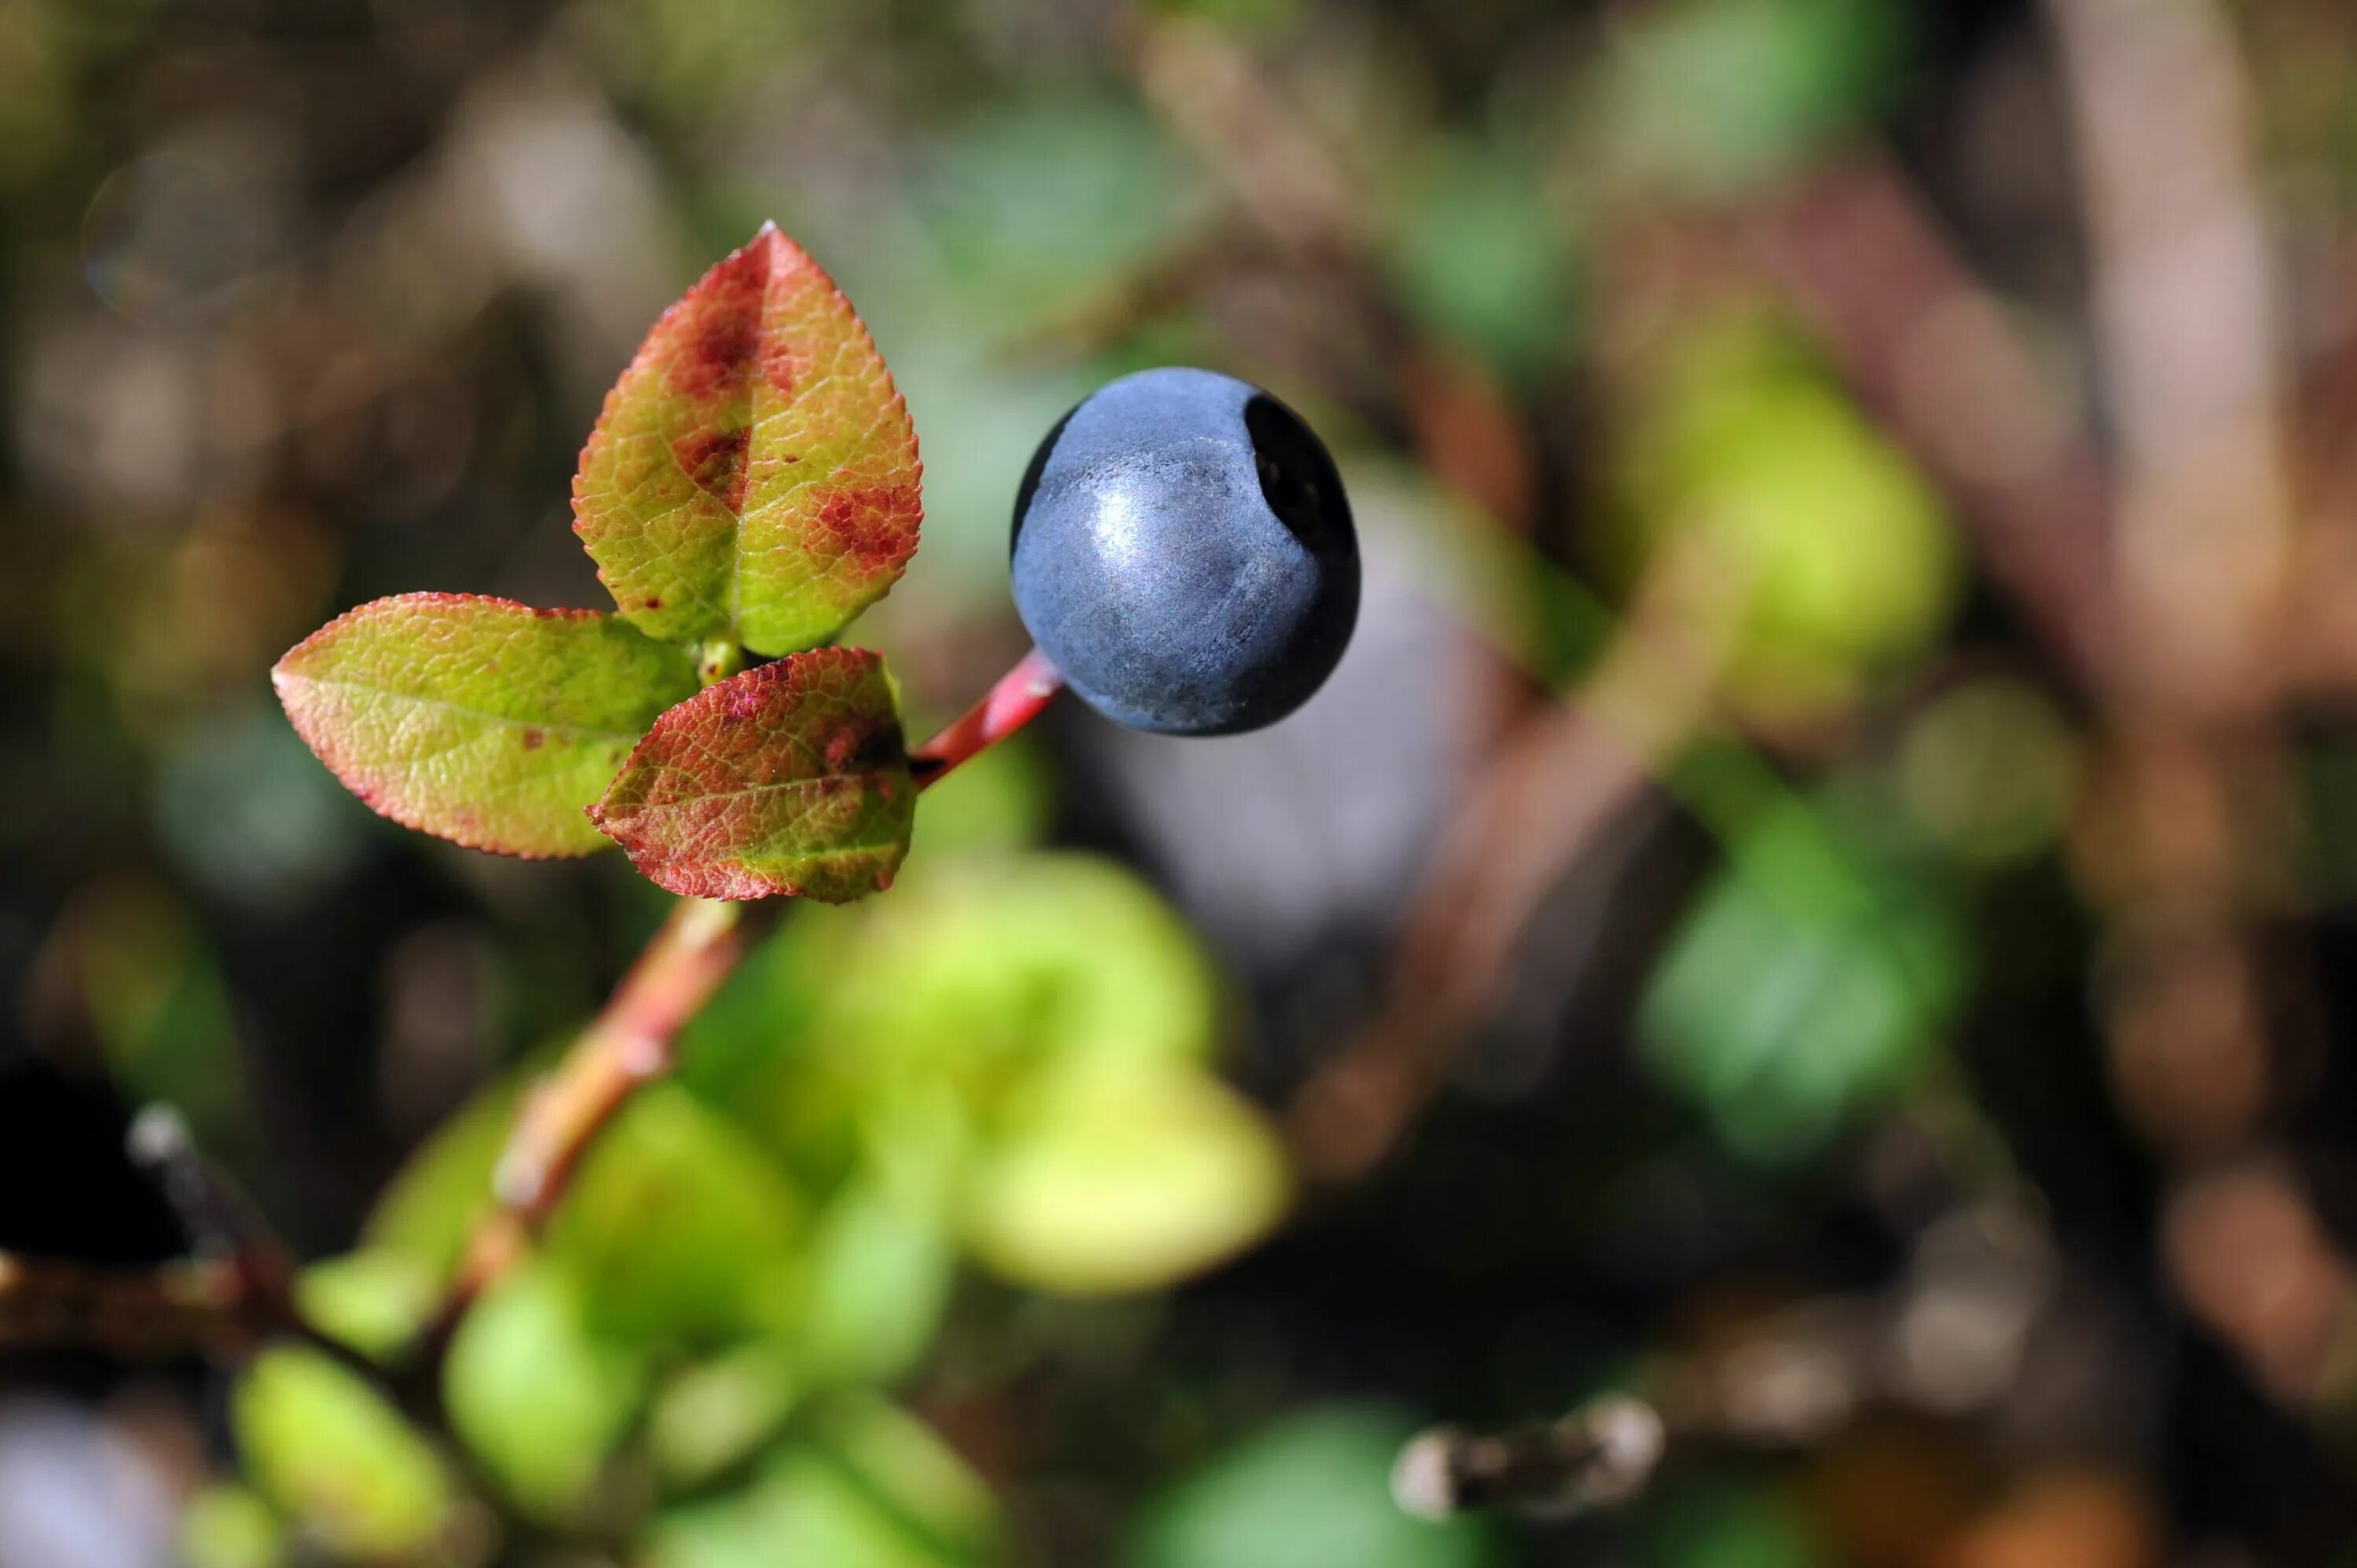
768	233
323	746
732	885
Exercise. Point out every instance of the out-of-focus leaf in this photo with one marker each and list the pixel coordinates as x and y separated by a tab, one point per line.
862	1484
679	1227
959	985
153	990
1990	770
1117	1176
1479	256
1705	98
323	1445
754	476
426	1212
228	1527
790	778
1313	1489
538	1395
716	1412
374	1300
1243	16
480	720
1023	959
1037	203
1715	1526
245	810
1838	554
693	58
881	1263
1806	986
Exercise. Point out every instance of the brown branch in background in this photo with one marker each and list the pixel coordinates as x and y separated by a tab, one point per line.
1210	93
1930	351
1601	1453
2189	849
2184	318
221	1224
1547	795
207	1306
235	1291
1978	1326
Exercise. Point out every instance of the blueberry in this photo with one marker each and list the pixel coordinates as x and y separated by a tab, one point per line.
1184	555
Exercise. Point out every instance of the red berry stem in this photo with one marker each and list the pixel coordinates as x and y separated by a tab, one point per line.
1015	701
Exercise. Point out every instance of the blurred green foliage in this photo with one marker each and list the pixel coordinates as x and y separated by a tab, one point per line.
1312	1488
1009	1060
324	1446
1809	983
1710	1523
229	1527
858	1483
314	302
1708	97
1826	548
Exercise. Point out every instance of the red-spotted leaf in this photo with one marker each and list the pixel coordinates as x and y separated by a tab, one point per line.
481	720
754	476
790	778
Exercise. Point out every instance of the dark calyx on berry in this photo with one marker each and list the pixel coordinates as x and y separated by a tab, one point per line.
1184	555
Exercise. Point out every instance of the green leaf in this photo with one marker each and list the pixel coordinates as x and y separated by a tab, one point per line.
716	1412
678	1226
374	1300
1839	554
882	1261
538	1395
1990	769
1048	200
427	1210
228	1527
1111	1176
754	477
1479	256
1001	962
961	982
1314	1488
864	1486
1807	986
1715	1524
1712	98
480	720
322	1444
790	778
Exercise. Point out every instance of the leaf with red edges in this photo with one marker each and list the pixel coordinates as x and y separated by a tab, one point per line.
480	720
754	475
791	778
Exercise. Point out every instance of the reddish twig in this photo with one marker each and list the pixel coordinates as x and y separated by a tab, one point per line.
1554	786
627	1046
207	1306
1016	699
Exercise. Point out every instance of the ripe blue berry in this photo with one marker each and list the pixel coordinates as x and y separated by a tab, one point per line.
1184	555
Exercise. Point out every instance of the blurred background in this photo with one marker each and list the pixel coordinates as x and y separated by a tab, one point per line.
1821	896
